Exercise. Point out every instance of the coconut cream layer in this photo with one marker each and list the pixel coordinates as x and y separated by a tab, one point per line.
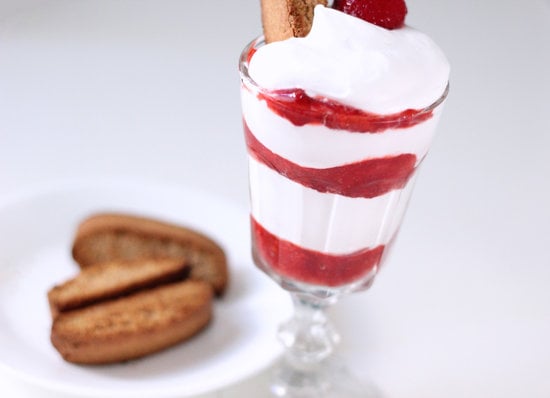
321	147
356	63
325	222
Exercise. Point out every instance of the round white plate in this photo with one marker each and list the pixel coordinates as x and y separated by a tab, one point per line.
36	231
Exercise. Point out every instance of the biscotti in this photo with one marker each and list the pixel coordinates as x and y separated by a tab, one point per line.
122	237
133	326
113	279
283	19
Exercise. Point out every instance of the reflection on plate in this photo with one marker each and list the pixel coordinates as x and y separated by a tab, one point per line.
37	230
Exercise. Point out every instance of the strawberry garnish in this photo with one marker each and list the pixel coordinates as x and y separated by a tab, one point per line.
389	14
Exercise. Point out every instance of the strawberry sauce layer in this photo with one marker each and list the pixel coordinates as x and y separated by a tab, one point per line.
366	179
311	266
300	109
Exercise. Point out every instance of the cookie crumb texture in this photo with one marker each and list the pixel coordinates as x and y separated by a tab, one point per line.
283	19
144	285
133	326
125	237
111	280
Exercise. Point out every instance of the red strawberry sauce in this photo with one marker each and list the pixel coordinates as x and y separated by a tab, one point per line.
310	266
368	178
365	179
300	109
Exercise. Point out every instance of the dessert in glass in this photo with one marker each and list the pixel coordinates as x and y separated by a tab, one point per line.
336	125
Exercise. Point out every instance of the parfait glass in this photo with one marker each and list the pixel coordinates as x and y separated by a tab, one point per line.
329	186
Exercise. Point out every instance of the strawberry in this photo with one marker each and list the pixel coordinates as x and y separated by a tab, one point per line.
389	14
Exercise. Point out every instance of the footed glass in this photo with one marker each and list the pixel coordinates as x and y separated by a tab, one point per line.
322	231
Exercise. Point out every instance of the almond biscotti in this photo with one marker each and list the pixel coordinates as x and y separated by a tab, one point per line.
113	279
122	237
283	19
133	326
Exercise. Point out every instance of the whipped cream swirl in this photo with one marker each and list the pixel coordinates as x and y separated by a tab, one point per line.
356	63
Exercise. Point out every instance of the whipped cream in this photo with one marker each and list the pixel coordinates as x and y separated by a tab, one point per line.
356	63
321	147
324	222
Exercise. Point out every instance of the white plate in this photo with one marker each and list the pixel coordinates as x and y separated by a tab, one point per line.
36	230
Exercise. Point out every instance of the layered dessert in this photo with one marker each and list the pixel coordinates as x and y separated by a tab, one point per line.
336	124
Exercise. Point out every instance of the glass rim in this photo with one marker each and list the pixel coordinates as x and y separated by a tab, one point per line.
247	80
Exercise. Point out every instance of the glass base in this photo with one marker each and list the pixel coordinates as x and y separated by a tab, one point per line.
326	379
309	368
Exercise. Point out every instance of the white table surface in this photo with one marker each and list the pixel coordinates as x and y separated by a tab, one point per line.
149	90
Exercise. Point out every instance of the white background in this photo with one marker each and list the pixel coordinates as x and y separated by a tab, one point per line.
150	90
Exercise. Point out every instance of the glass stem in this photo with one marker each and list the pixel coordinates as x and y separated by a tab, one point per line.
308	336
